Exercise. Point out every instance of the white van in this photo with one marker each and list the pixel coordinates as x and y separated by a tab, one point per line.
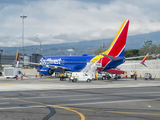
81	77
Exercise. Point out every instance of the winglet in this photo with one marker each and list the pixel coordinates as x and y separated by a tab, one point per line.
144	60
17	58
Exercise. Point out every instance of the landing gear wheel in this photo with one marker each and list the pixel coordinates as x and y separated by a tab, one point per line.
88	80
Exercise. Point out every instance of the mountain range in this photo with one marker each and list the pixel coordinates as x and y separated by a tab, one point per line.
83	47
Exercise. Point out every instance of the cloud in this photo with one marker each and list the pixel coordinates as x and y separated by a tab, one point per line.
59	21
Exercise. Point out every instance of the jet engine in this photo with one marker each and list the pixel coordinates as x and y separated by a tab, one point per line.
46	71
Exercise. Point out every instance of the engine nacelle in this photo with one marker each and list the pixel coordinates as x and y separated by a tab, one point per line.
46	71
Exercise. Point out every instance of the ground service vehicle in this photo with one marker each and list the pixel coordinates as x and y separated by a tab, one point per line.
81	77
148	76
12	72
101	75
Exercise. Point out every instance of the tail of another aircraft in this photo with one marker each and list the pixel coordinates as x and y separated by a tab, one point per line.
144	60
117	47
17	58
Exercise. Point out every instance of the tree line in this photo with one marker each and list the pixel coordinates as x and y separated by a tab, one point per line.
148	47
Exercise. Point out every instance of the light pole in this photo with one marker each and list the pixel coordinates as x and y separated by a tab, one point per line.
40	45
23	17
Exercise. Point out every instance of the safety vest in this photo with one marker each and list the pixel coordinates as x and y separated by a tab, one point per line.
76	76
64	74
61	75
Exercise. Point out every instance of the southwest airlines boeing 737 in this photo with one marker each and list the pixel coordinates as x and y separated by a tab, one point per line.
109	59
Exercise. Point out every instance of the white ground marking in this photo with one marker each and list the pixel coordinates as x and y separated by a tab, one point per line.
135	93
109	102
154	95
5	103
55	96
87	95
20	107
85	99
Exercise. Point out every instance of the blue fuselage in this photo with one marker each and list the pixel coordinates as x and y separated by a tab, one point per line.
74	63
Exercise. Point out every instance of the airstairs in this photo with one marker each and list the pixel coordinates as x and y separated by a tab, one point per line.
90	68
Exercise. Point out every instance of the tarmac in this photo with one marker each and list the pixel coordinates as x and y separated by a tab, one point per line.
51	83
49	98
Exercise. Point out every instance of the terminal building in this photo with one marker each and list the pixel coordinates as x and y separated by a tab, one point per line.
7	59
11	59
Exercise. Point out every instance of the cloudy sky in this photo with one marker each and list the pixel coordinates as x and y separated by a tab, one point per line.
60	21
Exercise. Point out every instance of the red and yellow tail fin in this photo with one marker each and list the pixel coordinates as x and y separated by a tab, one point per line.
144	58
117	47
17	58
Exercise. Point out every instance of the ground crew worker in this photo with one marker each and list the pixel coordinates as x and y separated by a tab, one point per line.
135	75
64	76
150	77
131	73
16	77
76	76
69	76
126	74
61	76
115	76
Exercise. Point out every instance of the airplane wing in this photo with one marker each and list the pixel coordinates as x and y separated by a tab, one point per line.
44	65
116	58
129	58
142	62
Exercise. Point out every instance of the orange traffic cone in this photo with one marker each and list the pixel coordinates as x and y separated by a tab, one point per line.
40	76
24	74
21	77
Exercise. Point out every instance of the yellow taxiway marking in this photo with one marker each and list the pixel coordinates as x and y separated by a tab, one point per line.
6	84
116	111
66	108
